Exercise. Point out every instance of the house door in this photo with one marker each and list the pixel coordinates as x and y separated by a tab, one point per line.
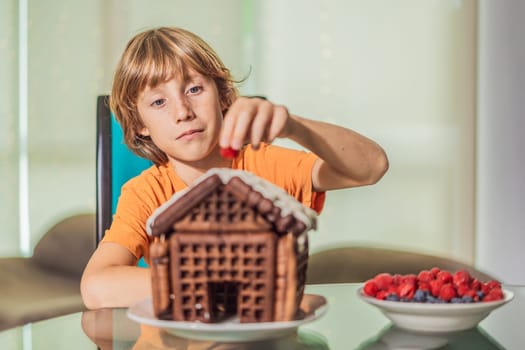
223	298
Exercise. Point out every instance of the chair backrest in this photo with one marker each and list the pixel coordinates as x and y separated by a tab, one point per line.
116	164
352	264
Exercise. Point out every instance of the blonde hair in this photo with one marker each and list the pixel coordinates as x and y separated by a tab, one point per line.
155	56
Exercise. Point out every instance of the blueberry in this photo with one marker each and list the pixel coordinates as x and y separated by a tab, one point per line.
420	296
456	300
467	299
480	294
392	297
431	299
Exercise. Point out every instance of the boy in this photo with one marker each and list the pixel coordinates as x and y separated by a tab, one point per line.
178	106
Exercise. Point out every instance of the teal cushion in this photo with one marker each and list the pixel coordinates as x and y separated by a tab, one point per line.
124	165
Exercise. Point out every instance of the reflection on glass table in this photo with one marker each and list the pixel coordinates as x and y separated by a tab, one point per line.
110	329
396	338
349	323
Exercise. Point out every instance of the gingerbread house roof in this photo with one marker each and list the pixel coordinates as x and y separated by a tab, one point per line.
275	205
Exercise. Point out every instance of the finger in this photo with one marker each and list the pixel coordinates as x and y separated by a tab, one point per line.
227	129
229	121
260	124
279	120
243	122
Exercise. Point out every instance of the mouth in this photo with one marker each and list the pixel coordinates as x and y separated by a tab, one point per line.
189	133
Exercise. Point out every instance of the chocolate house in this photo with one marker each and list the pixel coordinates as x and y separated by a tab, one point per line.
232	244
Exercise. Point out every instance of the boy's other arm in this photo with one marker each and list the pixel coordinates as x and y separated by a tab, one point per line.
112	279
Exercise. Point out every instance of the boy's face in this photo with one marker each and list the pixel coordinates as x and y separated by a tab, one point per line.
183	118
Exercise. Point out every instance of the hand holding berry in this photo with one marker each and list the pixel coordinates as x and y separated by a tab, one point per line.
253	120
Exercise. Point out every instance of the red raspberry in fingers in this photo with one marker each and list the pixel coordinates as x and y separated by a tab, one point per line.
229	153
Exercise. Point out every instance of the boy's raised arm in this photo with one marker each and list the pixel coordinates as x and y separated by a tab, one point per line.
347	158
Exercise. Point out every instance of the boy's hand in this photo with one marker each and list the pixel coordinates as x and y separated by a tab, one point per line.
253	120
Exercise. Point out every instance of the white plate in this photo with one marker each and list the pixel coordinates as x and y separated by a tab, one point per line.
313	307
435	318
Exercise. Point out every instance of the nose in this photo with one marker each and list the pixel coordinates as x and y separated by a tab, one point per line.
182	110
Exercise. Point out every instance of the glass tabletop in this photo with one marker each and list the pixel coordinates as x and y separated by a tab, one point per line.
349	323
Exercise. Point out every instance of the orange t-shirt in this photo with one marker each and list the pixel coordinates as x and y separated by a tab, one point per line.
140	196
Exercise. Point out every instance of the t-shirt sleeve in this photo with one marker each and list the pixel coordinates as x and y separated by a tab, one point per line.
128	226
290	169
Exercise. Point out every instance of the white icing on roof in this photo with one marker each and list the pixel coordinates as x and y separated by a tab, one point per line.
279	197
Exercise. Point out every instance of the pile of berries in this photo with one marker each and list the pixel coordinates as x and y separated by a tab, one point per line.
433	286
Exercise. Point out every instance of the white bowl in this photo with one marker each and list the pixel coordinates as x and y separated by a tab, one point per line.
435	318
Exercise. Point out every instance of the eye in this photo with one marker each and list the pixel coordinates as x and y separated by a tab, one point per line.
195	89
158	103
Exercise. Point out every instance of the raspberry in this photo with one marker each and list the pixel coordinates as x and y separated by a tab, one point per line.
229	153
462	289
494	294
370	288
406	290
392	289
410	279
424	286
381	295
475	284
461	277
444	276
434	271
396	279
493	284
435	287
447	292
383	281
425	276
485	288
471	294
